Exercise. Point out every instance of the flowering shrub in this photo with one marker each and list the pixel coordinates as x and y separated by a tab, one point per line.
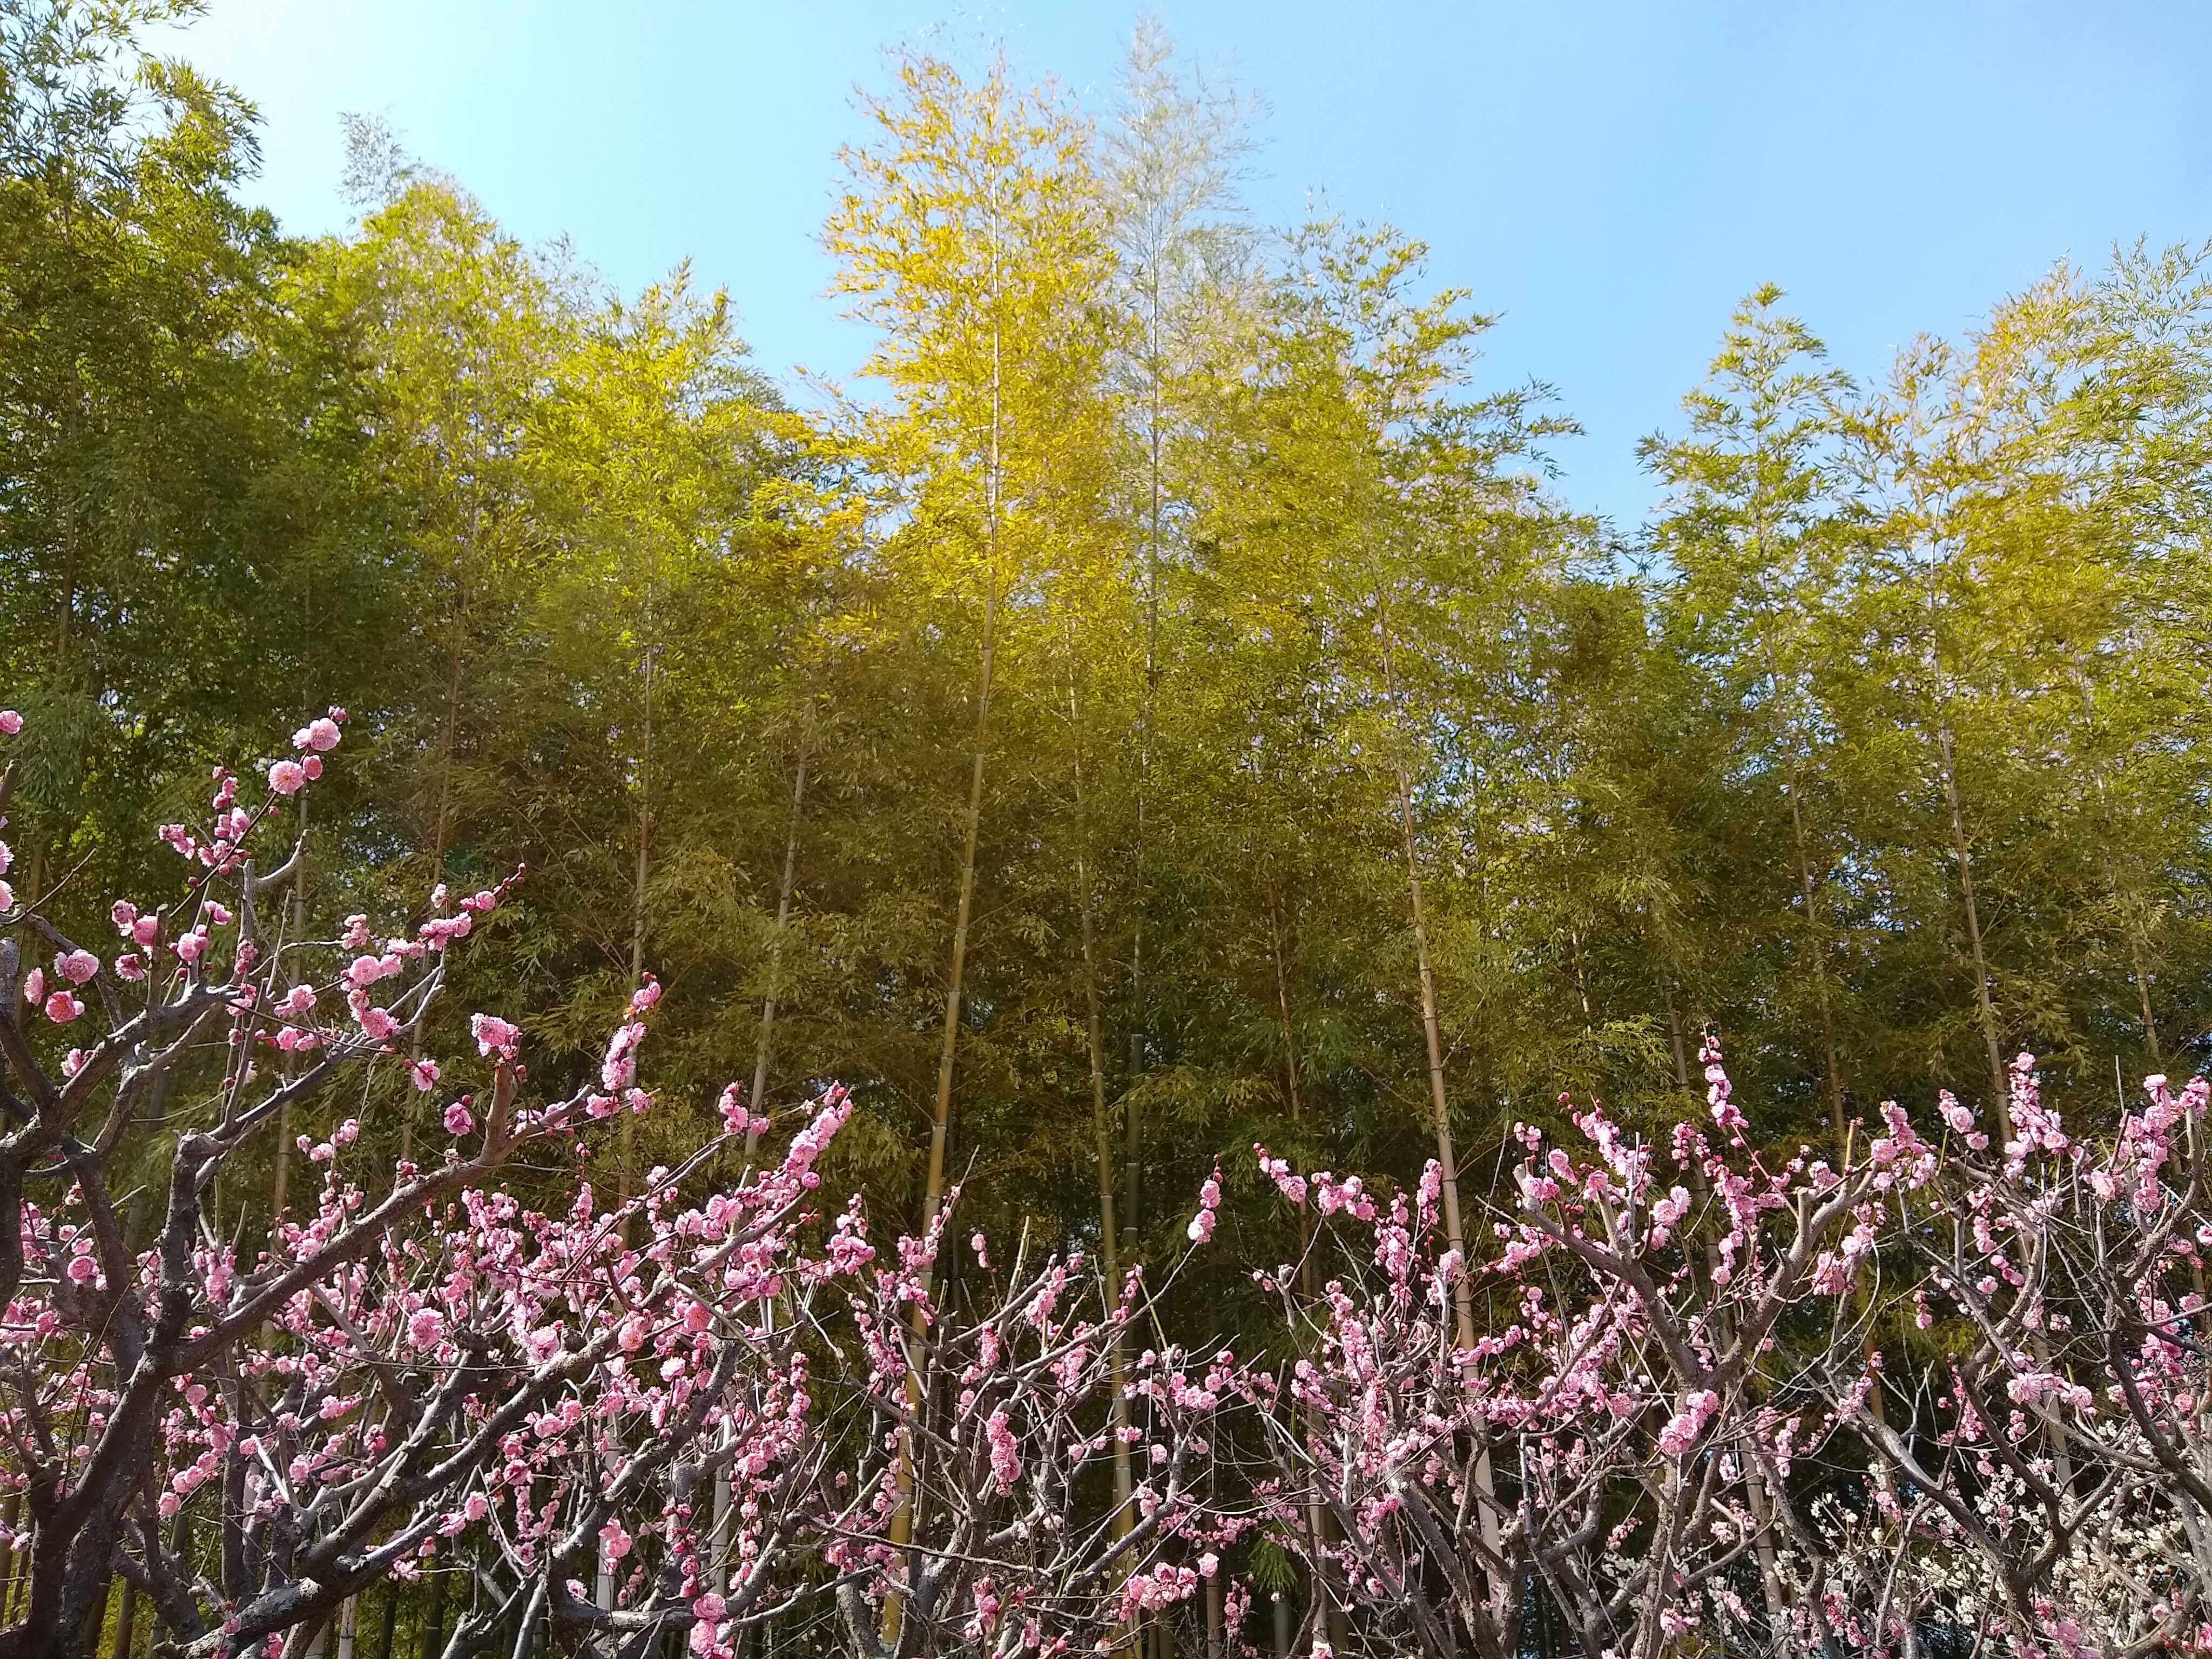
1933	1397
1944	1389
609	1413
2046	1479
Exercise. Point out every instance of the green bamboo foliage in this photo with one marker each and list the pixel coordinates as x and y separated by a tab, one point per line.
1050	734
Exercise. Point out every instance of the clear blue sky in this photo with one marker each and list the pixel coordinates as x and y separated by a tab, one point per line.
1612	177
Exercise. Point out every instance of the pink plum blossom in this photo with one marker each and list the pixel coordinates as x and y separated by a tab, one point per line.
494	1036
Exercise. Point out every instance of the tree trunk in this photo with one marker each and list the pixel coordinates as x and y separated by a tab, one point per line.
1816	947
2142	991
933	1191
1454	1232
783	896
1674	1037
901	1526
434	1626
1431	1032
718	1537
628	1132
295	930
448	744
390	1619
1290	1077
126	1620
1784	734
1316	1515
1109	1253
1963	853
1133	1145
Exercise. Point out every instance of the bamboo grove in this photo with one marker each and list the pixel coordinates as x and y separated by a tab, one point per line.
1165	703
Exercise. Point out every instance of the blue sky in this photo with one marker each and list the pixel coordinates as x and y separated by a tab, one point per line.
1611	177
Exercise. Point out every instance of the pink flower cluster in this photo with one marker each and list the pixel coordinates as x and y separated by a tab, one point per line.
1209	1201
